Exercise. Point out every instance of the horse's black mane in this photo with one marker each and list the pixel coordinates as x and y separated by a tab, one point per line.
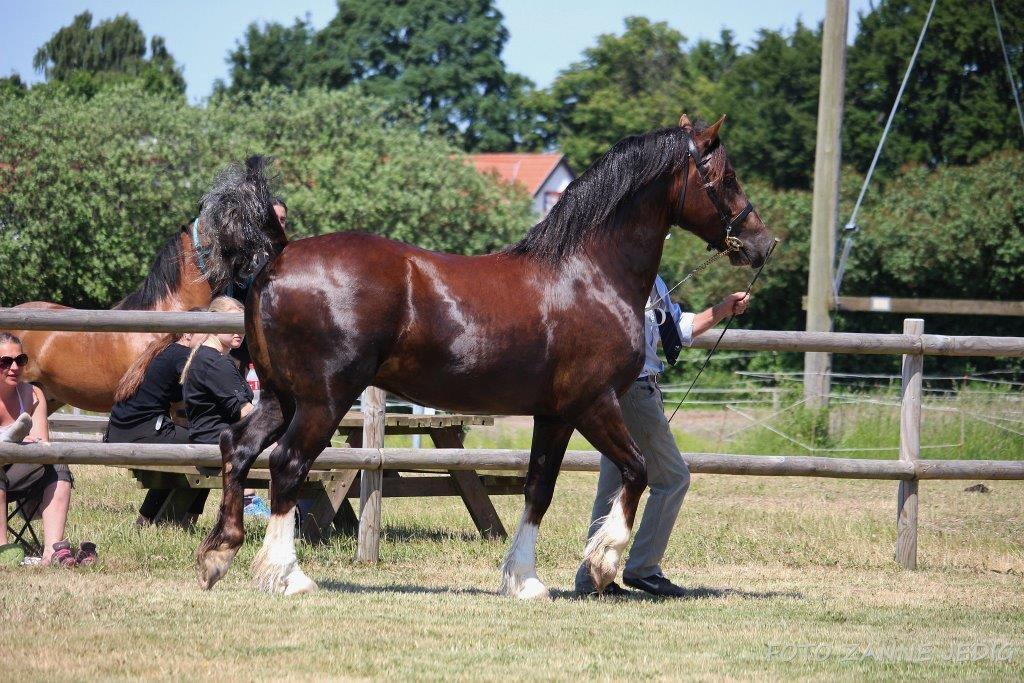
231	213
164	278
590	200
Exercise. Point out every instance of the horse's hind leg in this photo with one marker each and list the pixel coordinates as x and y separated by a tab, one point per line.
239	447
519	570
602	425
275	567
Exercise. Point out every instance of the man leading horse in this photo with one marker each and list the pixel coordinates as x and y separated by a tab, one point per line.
668	477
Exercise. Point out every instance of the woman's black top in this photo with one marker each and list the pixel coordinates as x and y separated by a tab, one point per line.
215	392
160	388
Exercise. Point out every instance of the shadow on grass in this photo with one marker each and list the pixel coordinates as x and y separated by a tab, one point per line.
348	587
415	533
695	593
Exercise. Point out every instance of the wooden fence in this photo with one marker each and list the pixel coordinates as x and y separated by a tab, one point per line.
890	304
373	458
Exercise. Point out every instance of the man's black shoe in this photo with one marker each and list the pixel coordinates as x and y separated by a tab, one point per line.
656	584
612	590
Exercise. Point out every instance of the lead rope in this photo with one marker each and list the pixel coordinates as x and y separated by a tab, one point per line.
732	244
732	317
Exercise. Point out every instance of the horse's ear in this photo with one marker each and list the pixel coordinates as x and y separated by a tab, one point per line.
710	134
684	122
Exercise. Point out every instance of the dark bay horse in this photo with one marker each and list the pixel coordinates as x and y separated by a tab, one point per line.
550	327
237	227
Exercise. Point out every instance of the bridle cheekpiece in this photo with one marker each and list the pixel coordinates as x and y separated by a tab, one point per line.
729	243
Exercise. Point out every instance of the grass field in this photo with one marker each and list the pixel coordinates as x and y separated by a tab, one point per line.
788	577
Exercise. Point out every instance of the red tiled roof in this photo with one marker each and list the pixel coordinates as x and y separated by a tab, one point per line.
529	170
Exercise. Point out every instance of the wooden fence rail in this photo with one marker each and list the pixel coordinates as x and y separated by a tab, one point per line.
488	459
913	344
734	340
889	304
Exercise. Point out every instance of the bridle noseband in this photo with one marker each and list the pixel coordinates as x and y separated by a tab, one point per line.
729	243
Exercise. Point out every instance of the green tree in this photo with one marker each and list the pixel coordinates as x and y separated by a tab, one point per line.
12	86
273	55
87	58
958	107
625	84
444	56
90	188
771	96
713	59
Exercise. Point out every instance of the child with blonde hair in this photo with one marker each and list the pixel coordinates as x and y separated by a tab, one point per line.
216	393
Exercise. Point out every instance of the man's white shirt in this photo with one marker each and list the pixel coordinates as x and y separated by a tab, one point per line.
659	305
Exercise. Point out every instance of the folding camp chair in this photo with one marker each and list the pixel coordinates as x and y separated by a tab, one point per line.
22	508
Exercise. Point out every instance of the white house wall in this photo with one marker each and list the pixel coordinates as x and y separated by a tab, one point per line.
556	183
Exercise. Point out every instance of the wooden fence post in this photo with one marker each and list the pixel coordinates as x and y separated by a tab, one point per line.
371	482
910	449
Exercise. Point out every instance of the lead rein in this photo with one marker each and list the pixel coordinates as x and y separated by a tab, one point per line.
728	324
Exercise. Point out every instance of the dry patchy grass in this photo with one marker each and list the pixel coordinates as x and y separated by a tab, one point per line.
772	562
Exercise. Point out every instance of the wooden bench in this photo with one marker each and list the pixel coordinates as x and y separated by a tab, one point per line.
325	494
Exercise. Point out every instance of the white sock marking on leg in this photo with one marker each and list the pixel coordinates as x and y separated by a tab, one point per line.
275	566
519	570
606	545
280	539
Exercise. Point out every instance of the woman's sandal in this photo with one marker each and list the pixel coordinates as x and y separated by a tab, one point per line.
87	555
62	556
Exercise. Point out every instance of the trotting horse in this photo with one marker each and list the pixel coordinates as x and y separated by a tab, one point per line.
550	327
237	229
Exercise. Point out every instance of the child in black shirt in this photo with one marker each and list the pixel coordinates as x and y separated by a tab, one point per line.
216	394
142	412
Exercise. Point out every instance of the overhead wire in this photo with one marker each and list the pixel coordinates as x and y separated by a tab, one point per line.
851	225
1009	70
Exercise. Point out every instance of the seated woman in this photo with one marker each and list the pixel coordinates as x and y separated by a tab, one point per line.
215	392
143	408
54	481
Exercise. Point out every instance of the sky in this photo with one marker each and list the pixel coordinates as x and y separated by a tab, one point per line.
546	35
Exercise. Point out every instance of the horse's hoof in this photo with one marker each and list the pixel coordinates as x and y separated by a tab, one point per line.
603	565
280	577
212	565
522	584
271	577
298	583
533	589
605	547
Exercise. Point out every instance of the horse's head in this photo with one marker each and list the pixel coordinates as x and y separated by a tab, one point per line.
710	202
240	229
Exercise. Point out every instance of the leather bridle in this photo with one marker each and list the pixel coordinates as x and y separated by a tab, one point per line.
729	242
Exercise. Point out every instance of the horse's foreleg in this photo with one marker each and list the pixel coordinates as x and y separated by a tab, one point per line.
519	570
239	447
602	426
275	567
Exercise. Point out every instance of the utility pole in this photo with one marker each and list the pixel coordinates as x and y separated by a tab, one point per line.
825	211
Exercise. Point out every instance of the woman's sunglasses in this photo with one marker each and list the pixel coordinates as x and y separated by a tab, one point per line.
7	361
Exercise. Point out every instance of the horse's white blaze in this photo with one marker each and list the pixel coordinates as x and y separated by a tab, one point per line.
275	567
606	545
519	570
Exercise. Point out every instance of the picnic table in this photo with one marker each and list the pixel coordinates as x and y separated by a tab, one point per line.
325	494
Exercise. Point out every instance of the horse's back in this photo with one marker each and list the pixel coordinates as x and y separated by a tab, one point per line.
73	367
